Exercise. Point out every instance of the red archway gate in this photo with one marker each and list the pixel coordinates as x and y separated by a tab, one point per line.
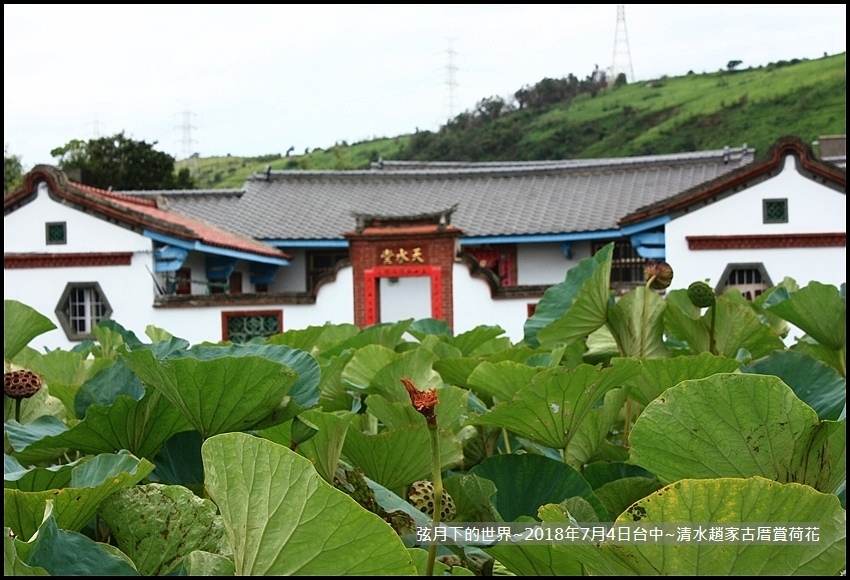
401	247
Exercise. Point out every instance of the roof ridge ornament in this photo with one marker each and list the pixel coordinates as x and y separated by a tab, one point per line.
441	218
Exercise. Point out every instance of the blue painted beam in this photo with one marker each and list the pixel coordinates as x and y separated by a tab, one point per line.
214	250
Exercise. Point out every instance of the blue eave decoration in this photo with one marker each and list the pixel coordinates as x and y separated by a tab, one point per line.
219	268
647	237
194	245
169	258
262	273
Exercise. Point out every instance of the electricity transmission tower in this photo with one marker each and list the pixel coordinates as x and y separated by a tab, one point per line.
187	141
451	82
622	62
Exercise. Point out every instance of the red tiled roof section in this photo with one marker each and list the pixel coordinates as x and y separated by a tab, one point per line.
138	212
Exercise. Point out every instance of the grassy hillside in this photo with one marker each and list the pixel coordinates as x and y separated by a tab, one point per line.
667	115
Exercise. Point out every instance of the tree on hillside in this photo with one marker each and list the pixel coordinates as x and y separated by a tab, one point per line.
121	163
12	171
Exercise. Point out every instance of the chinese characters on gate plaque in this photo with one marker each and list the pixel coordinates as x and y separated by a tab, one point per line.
402	256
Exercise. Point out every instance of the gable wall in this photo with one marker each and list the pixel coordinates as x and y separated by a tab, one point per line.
24	230
812	208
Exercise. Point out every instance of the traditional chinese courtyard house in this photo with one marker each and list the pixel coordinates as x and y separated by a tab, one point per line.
469	243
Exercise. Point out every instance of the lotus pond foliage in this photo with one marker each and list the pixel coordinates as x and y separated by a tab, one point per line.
319	451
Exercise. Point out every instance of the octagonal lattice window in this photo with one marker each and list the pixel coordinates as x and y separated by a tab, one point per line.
81	307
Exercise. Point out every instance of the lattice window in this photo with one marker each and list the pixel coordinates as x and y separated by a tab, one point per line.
626	265
80	308
240	327
321	265
55	233
775	211
501	260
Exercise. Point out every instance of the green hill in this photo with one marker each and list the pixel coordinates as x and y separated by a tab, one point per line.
567	118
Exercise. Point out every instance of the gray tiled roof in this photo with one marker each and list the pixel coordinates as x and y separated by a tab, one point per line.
493	199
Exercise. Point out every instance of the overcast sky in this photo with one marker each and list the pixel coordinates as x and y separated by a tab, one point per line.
253	79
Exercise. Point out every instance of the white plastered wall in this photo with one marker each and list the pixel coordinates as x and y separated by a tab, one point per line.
812	208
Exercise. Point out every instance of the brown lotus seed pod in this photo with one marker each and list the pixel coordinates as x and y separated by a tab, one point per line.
21	384
421	496
663	274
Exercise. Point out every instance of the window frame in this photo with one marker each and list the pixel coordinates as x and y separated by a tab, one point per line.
502	256
227	315
90	320
765	203
63	241
722	285
624	260
316	276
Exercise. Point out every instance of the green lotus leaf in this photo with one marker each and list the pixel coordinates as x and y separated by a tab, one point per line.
481	341
571	310
600	347
736	425
619	494
283	519
437	345
21	324
526	482
753	501
16	476
323	449
834	358
658	375
104	387
140	427
216	392
575	509
24	439
91	483
420	329
501	380
365	364
551	409
200	563
473	498
61	366
536	559
12	563
456	370
316	339
420	560
393	415
819	385
594	428
42	403
68	553
636	321
416	365
304	393
599	473
179	462
818	309
334	396
386	334
401	456
737	326
158	525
